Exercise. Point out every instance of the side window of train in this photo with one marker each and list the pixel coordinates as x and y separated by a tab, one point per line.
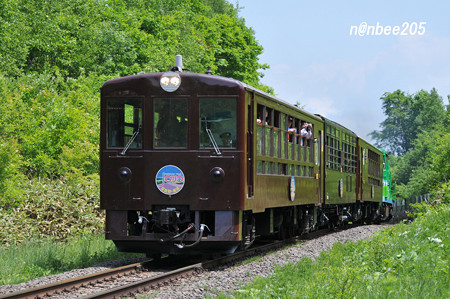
170	121
276	147
292	129
124	123
333	154
218	116
260	136
268	150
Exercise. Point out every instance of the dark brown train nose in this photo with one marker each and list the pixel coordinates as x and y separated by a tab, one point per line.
217	174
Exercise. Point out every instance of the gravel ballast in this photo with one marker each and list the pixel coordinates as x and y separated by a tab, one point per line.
229	279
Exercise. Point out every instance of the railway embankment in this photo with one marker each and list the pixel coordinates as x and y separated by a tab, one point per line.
397	260
401	261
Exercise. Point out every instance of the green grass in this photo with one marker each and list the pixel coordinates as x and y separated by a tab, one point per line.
32	259
406	261
54	226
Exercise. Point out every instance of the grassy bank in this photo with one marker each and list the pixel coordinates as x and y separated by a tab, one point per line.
406	261
57	209
53	226
37	258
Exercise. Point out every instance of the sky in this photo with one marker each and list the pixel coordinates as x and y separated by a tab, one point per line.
322	55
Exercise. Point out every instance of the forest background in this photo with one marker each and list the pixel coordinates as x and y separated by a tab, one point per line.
56	54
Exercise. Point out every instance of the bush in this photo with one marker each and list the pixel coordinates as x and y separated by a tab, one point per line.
69	206
441	194
10	175
56	122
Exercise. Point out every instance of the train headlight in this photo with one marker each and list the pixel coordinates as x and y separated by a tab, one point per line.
165	81
217	174
175	81
125	174
170	81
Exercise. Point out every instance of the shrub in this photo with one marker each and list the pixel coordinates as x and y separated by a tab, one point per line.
10	175
57	209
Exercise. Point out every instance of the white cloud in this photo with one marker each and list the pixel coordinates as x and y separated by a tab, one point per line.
349	91
324	106
422	51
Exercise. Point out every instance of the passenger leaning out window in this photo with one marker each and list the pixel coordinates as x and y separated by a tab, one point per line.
305	133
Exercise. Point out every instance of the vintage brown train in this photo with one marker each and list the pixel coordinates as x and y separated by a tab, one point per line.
196	163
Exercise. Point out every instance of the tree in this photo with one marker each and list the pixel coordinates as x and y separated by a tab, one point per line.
416	128
54	55
118	37
407	116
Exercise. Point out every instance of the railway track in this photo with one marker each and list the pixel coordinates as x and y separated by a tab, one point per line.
70	284
68	288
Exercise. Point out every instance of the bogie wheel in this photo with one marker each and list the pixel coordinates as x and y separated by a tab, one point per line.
248	234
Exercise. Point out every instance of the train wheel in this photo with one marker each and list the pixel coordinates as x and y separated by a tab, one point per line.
248	234
331	226
291	231
282	232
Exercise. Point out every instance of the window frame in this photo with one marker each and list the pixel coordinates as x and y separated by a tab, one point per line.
140	123
155	125
234	145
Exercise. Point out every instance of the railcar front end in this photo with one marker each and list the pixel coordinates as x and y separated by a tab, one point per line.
172	156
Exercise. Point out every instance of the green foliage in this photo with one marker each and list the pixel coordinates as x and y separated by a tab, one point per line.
55	55
424	167
54	120
416	128
406	261
407	117
36	258
53	208
441	194
10	175
120	37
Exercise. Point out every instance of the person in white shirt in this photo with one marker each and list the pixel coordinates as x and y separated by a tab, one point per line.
305	132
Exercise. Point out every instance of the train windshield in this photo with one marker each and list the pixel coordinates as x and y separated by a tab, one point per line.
170	122
124	118
218	115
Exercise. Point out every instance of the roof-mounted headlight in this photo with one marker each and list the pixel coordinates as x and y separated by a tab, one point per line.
170	81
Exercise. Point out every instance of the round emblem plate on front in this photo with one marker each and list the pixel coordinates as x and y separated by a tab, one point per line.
170	180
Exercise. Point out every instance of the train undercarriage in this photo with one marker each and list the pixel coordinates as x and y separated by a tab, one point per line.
178	230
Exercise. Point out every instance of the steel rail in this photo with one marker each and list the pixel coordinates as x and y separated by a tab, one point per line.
68	284
147	284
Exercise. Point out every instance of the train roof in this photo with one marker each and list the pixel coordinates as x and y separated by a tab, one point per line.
148	84
146	76
284	103
225	81
327	120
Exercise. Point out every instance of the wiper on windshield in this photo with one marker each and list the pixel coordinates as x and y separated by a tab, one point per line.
130	142
211	137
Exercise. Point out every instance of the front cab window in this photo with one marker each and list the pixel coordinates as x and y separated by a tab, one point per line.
218	115
170	123
124	123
